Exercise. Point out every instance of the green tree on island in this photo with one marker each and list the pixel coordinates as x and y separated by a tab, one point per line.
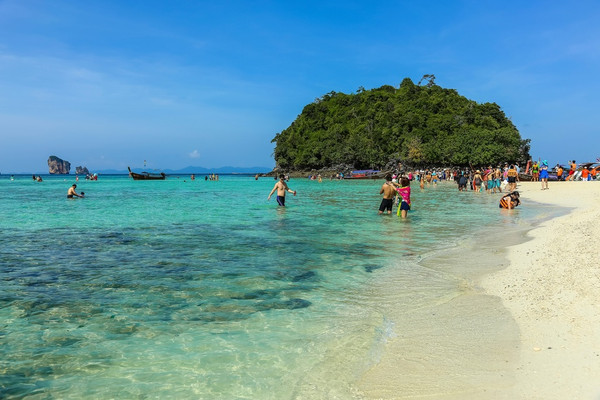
416	125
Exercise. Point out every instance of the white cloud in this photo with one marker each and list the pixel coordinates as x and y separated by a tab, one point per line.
194	154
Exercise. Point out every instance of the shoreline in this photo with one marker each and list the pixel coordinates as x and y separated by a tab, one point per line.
552	289
486	350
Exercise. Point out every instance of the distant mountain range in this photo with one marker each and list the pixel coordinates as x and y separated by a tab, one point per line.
193	170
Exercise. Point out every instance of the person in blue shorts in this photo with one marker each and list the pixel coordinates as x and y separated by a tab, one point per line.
281	188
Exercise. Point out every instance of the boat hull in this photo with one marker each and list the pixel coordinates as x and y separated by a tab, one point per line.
146	176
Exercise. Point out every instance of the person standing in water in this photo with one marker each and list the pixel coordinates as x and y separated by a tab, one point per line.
389	191
404	192
477	181
281	188
72	193
512	177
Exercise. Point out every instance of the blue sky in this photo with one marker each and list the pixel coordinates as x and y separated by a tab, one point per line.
108	84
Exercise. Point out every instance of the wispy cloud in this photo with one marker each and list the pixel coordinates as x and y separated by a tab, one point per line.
194	154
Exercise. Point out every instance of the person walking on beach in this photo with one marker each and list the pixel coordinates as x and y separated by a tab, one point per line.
72	193
544	175
389	191
585	174
281	188
535	171
559	172
572	170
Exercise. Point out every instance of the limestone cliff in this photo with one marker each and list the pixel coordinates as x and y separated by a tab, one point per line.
58	166
81	170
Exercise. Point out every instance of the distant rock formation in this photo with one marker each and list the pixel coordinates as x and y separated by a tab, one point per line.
58	166
81	170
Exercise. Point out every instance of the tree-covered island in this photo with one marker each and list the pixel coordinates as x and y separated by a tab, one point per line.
411	124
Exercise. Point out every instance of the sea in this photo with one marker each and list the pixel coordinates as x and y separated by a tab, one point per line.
206	290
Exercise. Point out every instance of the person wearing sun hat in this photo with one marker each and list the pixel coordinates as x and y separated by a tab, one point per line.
544	174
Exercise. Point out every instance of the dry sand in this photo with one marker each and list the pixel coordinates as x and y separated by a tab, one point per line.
536	331
552	289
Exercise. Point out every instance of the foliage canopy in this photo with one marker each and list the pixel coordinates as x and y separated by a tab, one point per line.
416	125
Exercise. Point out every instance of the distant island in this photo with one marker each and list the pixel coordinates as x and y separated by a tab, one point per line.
58	166
192	170
411	124
183	171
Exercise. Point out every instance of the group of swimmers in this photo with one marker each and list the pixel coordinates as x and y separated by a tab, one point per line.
395	190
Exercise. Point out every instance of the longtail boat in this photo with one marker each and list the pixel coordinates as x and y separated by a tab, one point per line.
367	174
146	176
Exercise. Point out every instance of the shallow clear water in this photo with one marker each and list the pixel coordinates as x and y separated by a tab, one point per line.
201	289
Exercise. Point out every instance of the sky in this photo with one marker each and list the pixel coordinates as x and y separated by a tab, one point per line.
107	84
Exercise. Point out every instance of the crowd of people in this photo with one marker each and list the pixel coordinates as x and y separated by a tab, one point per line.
396	188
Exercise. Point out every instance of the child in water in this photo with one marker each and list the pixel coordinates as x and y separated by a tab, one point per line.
404	192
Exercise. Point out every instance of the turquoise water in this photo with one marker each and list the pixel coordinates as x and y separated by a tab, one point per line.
202	289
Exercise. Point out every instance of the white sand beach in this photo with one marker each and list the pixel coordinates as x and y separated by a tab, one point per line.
535	333
552	289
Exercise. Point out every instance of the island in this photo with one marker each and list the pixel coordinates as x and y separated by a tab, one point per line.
58	166
412	124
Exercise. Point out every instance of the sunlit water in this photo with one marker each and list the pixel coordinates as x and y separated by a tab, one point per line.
202	289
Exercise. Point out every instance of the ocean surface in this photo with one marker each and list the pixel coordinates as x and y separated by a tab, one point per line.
206	290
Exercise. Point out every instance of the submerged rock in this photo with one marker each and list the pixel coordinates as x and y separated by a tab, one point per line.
372	267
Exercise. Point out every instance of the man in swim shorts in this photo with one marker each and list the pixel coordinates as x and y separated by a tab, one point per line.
389	191
572	170
72	193
281	188
498	179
